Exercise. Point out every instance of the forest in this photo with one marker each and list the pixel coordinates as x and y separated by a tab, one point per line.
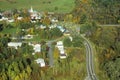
92	15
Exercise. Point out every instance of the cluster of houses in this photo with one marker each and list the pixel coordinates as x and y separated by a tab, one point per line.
34	15
37	16
10	20
36	48
16	45
60	47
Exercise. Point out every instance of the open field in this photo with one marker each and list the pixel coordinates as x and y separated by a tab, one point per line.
62	6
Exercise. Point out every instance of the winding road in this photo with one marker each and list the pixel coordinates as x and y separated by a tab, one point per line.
89	61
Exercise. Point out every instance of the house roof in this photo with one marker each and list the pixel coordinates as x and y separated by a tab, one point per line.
14	44
41	62
61	28
62	52
19	18
59	43
37	48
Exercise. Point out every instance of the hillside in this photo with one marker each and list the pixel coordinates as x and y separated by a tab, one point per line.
62	6
102	11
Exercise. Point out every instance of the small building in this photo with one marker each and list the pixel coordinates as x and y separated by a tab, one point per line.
34	15
52	26
10	20
19	18
27	36
4	19
62	51
66	33
41	62
54	20
62	29
42	26
59	43
60	47
37	48
15	44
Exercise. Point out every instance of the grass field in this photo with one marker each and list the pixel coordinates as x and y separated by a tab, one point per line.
61	6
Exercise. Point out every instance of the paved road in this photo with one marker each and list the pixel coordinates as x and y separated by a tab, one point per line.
50	53
108	25
89	60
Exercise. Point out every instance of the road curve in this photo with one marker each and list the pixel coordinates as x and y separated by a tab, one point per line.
89	61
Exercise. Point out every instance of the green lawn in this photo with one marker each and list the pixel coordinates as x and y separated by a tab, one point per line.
10	30
62	6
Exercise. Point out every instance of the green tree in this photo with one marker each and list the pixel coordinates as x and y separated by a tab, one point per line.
55	32
67	42
77	41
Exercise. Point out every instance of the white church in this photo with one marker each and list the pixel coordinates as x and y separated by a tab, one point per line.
34	14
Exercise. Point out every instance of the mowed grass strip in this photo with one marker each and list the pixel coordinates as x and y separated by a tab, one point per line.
60	6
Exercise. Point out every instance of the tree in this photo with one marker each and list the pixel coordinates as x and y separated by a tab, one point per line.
26	49
83	18
55	32
46	21
1	27
0	16
17	78
67	42
28	69
77	41
21	66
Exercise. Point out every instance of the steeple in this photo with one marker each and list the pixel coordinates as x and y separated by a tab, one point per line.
31	10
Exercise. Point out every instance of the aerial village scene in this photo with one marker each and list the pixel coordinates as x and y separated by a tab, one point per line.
59	40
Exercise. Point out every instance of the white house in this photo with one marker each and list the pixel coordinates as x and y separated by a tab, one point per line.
41	62
42	26
62	51
37	48
27	36
15	44
10	20
60	47
52	26
59	43
19	18
54	20
4	19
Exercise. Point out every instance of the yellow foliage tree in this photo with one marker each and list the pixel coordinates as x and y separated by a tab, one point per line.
46	21
56	53
17	78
